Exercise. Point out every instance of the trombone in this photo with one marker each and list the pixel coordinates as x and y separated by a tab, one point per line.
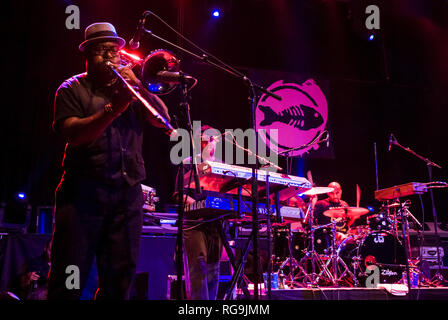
155	62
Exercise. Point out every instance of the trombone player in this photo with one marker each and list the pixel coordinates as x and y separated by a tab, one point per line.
99	198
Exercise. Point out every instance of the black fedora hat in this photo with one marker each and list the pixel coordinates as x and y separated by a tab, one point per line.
101	31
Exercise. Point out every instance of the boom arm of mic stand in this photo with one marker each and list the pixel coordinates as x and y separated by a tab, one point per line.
204	58
427	161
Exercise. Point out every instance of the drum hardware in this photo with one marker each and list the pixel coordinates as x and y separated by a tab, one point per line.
378	248
316	261
335	260
312	279
364	247
381	222
403	212
310	254
290	259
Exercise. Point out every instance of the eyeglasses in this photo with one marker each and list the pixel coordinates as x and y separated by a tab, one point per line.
101	50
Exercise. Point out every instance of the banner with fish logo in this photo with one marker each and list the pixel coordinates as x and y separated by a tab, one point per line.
299	117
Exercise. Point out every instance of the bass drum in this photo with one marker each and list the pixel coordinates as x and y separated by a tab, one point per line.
348	250
384	250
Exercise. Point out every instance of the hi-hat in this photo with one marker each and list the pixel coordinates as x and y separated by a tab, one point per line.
318	190
345	212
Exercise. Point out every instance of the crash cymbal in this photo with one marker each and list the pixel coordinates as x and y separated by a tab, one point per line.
345	212
318	190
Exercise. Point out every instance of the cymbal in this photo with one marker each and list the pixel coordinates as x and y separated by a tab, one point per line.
394	205
346	212
318	190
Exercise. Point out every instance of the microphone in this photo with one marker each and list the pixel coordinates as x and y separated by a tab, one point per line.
391	139
134	43
172	77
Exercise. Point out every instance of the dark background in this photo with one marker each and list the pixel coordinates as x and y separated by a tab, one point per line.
394	84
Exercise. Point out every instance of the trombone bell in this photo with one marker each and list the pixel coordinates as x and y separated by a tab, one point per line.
156	61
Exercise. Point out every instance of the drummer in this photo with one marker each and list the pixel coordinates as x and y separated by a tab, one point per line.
333	201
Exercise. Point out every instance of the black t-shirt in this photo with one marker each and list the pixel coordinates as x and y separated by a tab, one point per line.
115	157
322	206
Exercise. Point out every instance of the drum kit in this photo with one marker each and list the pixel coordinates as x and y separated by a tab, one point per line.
318	255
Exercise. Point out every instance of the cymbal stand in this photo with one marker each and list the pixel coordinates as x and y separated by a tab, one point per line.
313	278
290	260
406	213
335	260
405	226
395	221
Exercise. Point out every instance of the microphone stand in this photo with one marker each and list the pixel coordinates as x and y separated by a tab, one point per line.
429	165
252	97
181	191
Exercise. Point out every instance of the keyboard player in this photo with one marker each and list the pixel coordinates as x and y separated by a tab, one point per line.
202	241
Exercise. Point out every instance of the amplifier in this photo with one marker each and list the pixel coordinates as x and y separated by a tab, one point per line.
162	229
172	288
150	199
430	254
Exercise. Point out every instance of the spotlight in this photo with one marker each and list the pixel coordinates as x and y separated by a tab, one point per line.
21	195
371	37
371	209
216	13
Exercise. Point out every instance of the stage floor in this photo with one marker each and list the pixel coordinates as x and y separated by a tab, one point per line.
439	293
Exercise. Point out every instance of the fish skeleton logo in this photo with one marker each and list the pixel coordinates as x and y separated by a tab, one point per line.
299	117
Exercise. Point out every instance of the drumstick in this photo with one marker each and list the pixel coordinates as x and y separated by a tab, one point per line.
310	177
358	195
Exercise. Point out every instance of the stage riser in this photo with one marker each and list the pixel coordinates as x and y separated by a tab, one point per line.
358	294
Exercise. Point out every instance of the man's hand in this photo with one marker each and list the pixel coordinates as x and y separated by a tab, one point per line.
121	95
129	76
